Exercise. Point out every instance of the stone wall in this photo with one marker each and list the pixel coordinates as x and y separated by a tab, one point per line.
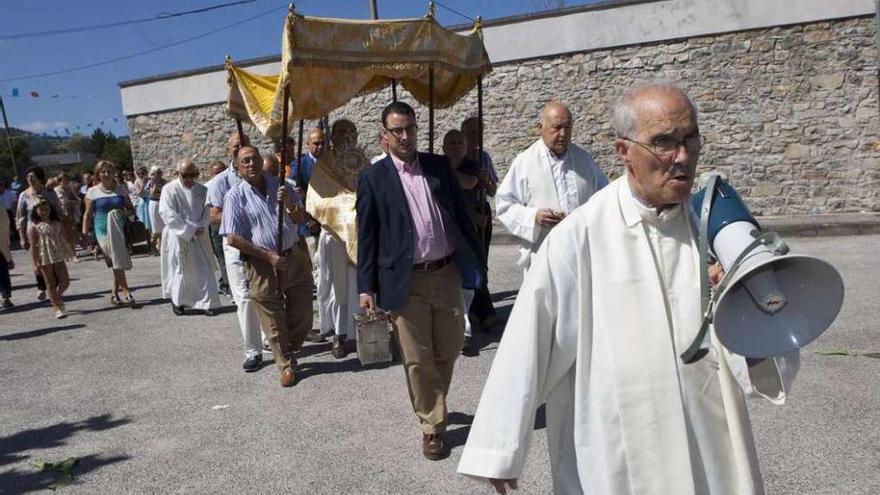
790	113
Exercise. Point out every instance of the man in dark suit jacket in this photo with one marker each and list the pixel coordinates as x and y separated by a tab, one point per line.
417	248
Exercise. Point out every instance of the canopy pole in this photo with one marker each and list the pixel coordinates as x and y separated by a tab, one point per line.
431	109
299	158
279	239
240	131
481	202
394	90
15	170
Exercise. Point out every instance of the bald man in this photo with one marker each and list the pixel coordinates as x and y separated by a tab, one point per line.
546	182
188	264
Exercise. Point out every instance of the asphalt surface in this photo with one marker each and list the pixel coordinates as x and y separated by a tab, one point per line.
153	403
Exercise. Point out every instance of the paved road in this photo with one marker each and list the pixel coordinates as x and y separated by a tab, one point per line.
153	403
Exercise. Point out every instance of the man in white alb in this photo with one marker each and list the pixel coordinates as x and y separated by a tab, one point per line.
188	264
613	299
545	182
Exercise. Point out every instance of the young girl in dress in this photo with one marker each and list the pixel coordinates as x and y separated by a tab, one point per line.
49	251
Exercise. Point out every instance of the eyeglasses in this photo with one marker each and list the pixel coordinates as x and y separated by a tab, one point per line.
250	159
399	132
665	147
189	176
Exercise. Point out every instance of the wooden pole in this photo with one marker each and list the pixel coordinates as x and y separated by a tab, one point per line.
279	239
374	11
240	131
15	170
481	202
299	159
431	109
394	90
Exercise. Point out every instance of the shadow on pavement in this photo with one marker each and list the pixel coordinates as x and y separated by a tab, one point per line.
20	308
49	437
348	365
33	481
38	333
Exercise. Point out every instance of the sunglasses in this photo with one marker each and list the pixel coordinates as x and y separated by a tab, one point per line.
189	176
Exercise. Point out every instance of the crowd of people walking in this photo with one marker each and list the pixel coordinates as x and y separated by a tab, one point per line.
611	284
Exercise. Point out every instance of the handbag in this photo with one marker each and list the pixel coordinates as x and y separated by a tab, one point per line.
136	232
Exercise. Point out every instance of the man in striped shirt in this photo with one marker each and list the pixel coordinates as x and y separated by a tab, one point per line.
280	279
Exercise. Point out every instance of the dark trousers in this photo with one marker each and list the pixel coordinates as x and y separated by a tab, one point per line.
5	282
482	307
217	247
41	281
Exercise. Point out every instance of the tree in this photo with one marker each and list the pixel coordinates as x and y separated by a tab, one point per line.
118	152
99	140
21	153
80	143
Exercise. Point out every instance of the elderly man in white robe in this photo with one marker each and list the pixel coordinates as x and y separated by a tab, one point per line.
188	264
546	182
612	299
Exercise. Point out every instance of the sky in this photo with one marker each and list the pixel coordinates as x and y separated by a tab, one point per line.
90	98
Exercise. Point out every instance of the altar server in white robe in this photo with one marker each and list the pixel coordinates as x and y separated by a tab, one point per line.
188	263
545	182
611	300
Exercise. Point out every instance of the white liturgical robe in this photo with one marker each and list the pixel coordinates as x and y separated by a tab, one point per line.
611	300
538	179
188	263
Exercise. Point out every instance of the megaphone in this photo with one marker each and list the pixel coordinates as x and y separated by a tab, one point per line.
769	302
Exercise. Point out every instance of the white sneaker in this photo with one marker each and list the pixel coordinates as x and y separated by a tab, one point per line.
60	314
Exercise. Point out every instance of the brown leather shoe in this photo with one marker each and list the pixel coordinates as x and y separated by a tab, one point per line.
288	377
338	347
433	446
315	336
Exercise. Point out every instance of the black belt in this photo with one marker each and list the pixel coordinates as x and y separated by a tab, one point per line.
432	265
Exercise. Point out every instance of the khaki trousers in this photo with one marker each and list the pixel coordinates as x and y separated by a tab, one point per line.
283	302
429	330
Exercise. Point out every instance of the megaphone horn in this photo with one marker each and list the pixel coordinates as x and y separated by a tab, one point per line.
770	302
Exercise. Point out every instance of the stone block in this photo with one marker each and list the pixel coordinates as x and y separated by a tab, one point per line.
766	189
828	81
797	151
762	45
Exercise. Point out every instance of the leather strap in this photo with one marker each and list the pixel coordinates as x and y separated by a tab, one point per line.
700	345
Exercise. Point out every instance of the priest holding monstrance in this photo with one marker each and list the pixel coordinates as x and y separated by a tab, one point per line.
331	202
611	300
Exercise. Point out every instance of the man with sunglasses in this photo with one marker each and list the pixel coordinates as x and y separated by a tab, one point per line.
417	247
611	300
546	182
188	263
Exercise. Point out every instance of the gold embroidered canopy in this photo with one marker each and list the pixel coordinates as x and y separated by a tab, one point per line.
326	62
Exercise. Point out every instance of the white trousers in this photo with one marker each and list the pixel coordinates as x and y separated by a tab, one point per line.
343	299
324	283
467	297
247	313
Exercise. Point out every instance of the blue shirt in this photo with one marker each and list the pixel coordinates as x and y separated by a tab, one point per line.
254	216
221	184
308	165
487	164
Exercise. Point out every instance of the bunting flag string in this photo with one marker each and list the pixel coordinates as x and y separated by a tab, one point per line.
18	93
84	128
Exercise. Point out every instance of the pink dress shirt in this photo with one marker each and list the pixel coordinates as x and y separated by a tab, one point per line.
429	234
